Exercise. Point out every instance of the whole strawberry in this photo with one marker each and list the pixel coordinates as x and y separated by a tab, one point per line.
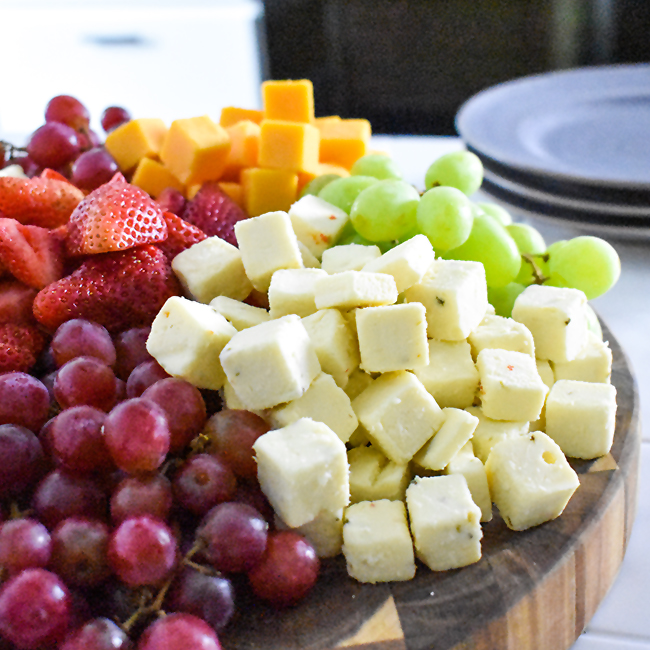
114	217
20	345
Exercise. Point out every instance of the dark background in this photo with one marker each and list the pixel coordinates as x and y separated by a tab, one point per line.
408	65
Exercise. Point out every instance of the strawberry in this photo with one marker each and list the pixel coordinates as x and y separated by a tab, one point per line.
171	200
31	254
16	301
114	217
214	212
117	290
180	235
46	201
20	346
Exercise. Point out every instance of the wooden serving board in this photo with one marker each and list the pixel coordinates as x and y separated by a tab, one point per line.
532	590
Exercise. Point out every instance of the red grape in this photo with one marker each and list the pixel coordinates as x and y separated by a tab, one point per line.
131	350
24	400
179	632
146	495
22	459
85	380
24	543
98	634
93	168
250	493
114	116
67	110
82	338
53	145
144	375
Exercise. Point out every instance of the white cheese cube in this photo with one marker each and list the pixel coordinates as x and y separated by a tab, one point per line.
377	543
407	262
231	401
469	466
557	319
398	414
309	260
349	257
334	343
352	289
323	402
511	388
292	292
501	333
393	337
530	480
373	476
317	223
581	417
325	533
357	383
456	430
267	244
451	375
546	373
359	438
240	315
454	294
303	470
187	338
15	171
593	364
270	363
211	268
489	432
445	522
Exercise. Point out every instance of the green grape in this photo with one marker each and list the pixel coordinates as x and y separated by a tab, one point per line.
587	263
377	165
317	184
385	211
496	212
529	274
356	238
503	298
445	216
460	169
593	323
528	239
490	244
342	192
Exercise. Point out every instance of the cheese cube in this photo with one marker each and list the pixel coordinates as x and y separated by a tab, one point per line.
231	115
288	99
445	522
211	268
456	430
489	432
317	223
335	345
349	257
323	402
407	262
581	417
454	294
343	142
231	401
398	414
153	178
450	376
187	338
355	289
469	466
357	383
270	363
309	260
303	470
496	332
292	292
244	147
557	319
377	543
511	388
530	480
373	476
546	373
267	244
393	337
288	145
325	533
593	364
239	314
137	139
268	190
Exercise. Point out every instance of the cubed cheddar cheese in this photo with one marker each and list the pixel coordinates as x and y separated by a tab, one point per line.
373	476
239	314
137	139
291	146
490	432
234	190
153	177
291	100
348	257
231	115
352	289
268	190
244	148
292	292
343	142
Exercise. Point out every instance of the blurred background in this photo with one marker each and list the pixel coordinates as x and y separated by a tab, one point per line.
406	65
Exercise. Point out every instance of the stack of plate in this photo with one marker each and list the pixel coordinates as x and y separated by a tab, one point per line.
572	146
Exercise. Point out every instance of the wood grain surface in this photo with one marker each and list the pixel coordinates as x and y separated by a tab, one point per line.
532	590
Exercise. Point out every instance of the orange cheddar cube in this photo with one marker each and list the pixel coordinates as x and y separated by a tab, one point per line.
196	150
192	190
244	148
288	100
231	115
343	143
268	190
235	191
153	177
135	140
288	145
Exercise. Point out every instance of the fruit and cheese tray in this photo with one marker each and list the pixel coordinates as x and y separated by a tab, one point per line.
257	390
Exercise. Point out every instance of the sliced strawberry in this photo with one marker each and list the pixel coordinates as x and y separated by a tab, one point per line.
20	346
117	290
16	301
180	236
171	200
33	255
46	201
114	217
214	212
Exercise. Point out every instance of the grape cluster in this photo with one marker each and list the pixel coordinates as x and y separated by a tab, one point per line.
127	508
386	211
67	144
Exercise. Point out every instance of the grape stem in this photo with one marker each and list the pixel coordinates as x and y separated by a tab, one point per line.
539	277
9	150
